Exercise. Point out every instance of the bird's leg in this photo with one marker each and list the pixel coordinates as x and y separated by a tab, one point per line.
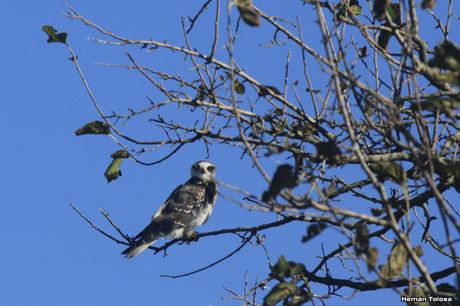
190	236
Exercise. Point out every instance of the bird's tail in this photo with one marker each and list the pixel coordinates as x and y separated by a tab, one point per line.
137	248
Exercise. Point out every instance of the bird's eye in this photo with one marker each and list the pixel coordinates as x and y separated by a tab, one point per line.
211	168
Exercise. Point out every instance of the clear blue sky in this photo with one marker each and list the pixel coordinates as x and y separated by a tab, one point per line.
49	256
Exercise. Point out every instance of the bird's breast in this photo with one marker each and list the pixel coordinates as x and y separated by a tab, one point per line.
203	214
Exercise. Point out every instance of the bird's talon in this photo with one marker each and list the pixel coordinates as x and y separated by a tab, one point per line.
192	236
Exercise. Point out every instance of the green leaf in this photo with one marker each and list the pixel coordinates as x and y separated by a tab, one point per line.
446	76
372	258
201	93
418	250
54	36
446	56
120	154
313	231
284	177
303	129
298	298
394	10
416	292
297	269
428	4
239	87
447	168
376	212
446	287
248	13
281	267
280	292
444	105
328	150
384	38
379	9
396	262
113	171
449	172
363	52
95	128
362	238
389	171
332	188
356	9
284	268
341	9
266	90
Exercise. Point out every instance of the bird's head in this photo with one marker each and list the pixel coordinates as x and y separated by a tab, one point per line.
204	170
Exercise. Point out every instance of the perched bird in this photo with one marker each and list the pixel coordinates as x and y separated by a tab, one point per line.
188	206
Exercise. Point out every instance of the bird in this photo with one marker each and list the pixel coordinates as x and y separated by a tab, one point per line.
188	206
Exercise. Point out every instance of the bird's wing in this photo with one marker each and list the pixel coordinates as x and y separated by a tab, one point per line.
181	210
152	230
188	207
183	206
170	199
211	195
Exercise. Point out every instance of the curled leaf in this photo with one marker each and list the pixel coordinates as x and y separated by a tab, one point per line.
95	128
247	12
442	104
379	9
239	87
446	76
449	172
384	38
376	212
355	8
280	292
328	150
363	52
418	250
389	171
341	9
371	258
314	230
298	298
303	129
446	56
396	262
266	90
448	288
284	177
428	4
54	36
362	238
113	171
394	10
417	292
284	268
332	188
120	154
281	267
